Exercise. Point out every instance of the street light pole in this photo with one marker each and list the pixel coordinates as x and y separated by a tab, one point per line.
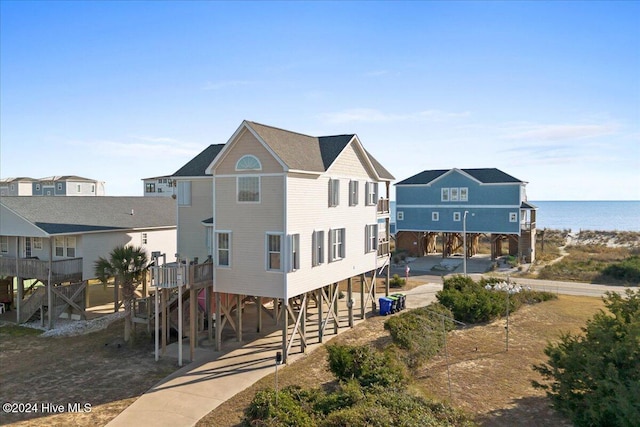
464	242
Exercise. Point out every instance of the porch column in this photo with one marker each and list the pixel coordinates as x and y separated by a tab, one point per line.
218	322
350	300
259	308
20	283
320	331
239	318
285	330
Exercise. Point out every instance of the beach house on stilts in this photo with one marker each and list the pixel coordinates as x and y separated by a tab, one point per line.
278	219
456	206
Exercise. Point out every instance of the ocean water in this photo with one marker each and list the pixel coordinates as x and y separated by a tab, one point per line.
581	215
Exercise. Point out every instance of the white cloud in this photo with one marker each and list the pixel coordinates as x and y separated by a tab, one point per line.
376	116
559	132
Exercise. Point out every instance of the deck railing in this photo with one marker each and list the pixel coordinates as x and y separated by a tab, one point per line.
383	248
383	206
61	270
527	226
167	276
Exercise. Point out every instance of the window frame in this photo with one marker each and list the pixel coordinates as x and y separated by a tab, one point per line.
150	187
269	251
337	244
58	245
244	178
435	216
334	192
144	238
246	158
464	194
399	215
513	216
372	193
457	217
454	194
70	246
295	252
218	248
4	244
184	193
36	243
318	248
353	193
371	238
444	194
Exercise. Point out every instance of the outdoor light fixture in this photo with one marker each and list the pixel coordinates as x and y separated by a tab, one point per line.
508	288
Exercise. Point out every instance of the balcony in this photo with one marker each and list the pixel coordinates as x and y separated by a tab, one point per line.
65	270
174	274
383	207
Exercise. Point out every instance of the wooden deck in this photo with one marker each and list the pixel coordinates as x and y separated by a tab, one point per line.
66	270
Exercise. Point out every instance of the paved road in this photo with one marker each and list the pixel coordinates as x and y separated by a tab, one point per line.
426	293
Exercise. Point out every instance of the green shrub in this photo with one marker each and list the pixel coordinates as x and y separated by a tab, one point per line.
419	332
471	302
594	377
262	411
365	365
396	281
627	270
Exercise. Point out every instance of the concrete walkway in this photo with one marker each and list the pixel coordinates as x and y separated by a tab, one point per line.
192	392
195	390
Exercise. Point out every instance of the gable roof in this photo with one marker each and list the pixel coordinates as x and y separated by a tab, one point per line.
309	153
198	165
483	175
67	215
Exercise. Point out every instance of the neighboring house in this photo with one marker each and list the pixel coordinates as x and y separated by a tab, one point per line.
480	201
69	185
285	216
159	186
194	194
16	186
57	240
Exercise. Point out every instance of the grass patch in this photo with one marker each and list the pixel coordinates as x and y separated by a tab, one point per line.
8	330
589	263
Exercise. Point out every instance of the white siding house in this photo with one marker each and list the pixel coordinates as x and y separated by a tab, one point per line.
284	214
57	240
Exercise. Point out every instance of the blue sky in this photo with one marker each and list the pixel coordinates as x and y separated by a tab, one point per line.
549	92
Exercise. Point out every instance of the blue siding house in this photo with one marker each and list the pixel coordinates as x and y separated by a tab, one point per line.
446	203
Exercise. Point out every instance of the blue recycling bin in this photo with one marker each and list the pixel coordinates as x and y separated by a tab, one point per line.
385	305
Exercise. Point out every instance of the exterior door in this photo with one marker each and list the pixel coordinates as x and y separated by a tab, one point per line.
27	247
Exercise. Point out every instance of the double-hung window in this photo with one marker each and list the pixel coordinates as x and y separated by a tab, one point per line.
353	193
456	216
317	248
295	252
274	252
37	243
513	217
4	244
59	245
184	193
372	193
248	189
336	244
71	247
334	192
223	249
444	195
371	234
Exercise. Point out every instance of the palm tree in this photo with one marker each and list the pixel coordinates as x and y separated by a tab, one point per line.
127	264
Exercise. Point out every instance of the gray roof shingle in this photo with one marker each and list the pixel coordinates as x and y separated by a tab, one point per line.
309	153
484	175
198	165
65	215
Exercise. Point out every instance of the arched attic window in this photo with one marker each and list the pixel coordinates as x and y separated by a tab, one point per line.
248	163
